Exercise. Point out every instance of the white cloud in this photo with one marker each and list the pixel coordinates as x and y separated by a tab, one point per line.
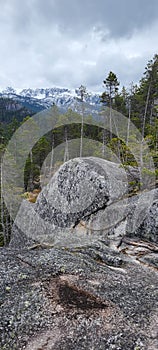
49	43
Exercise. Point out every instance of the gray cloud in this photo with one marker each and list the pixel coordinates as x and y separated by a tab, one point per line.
68	42
121	18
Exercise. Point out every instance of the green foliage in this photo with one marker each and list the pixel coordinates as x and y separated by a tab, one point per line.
1	240
111	85
140	105
10	109
145	96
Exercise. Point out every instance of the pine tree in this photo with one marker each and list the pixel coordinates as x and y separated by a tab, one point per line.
82	93
108	97
111	84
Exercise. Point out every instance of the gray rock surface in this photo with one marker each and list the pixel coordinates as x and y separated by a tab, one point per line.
78	273
136	216
92	297
79	190
85	200
148	228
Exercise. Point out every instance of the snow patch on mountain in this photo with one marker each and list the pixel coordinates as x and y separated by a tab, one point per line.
43	98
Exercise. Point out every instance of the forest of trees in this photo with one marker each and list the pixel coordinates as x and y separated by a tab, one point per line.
138	103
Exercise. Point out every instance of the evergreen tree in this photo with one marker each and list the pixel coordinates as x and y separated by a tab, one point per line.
82	92
111	84
108	97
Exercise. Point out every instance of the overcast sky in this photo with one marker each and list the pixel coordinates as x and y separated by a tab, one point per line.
46	43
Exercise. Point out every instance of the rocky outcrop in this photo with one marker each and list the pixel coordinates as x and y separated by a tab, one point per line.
86	199
81	269
136	216
92	297
148	228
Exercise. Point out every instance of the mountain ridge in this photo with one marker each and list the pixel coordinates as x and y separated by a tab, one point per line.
38	99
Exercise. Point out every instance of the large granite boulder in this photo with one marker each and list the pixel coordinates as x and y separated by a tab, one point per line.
79	189
86	198
147	220
136	216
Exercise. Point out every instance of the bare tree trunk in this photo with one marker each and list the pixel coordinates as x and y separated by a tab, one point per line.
129	121
151	113
51	159
103	146
31	157
145	112
110	120
7	227
66	154
2	209
2	220
143	126
128	129
118	141
83	93
81	140
30	183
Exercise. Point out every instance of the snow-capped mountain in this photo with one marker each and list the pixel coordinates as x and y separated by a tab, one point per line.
43	98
